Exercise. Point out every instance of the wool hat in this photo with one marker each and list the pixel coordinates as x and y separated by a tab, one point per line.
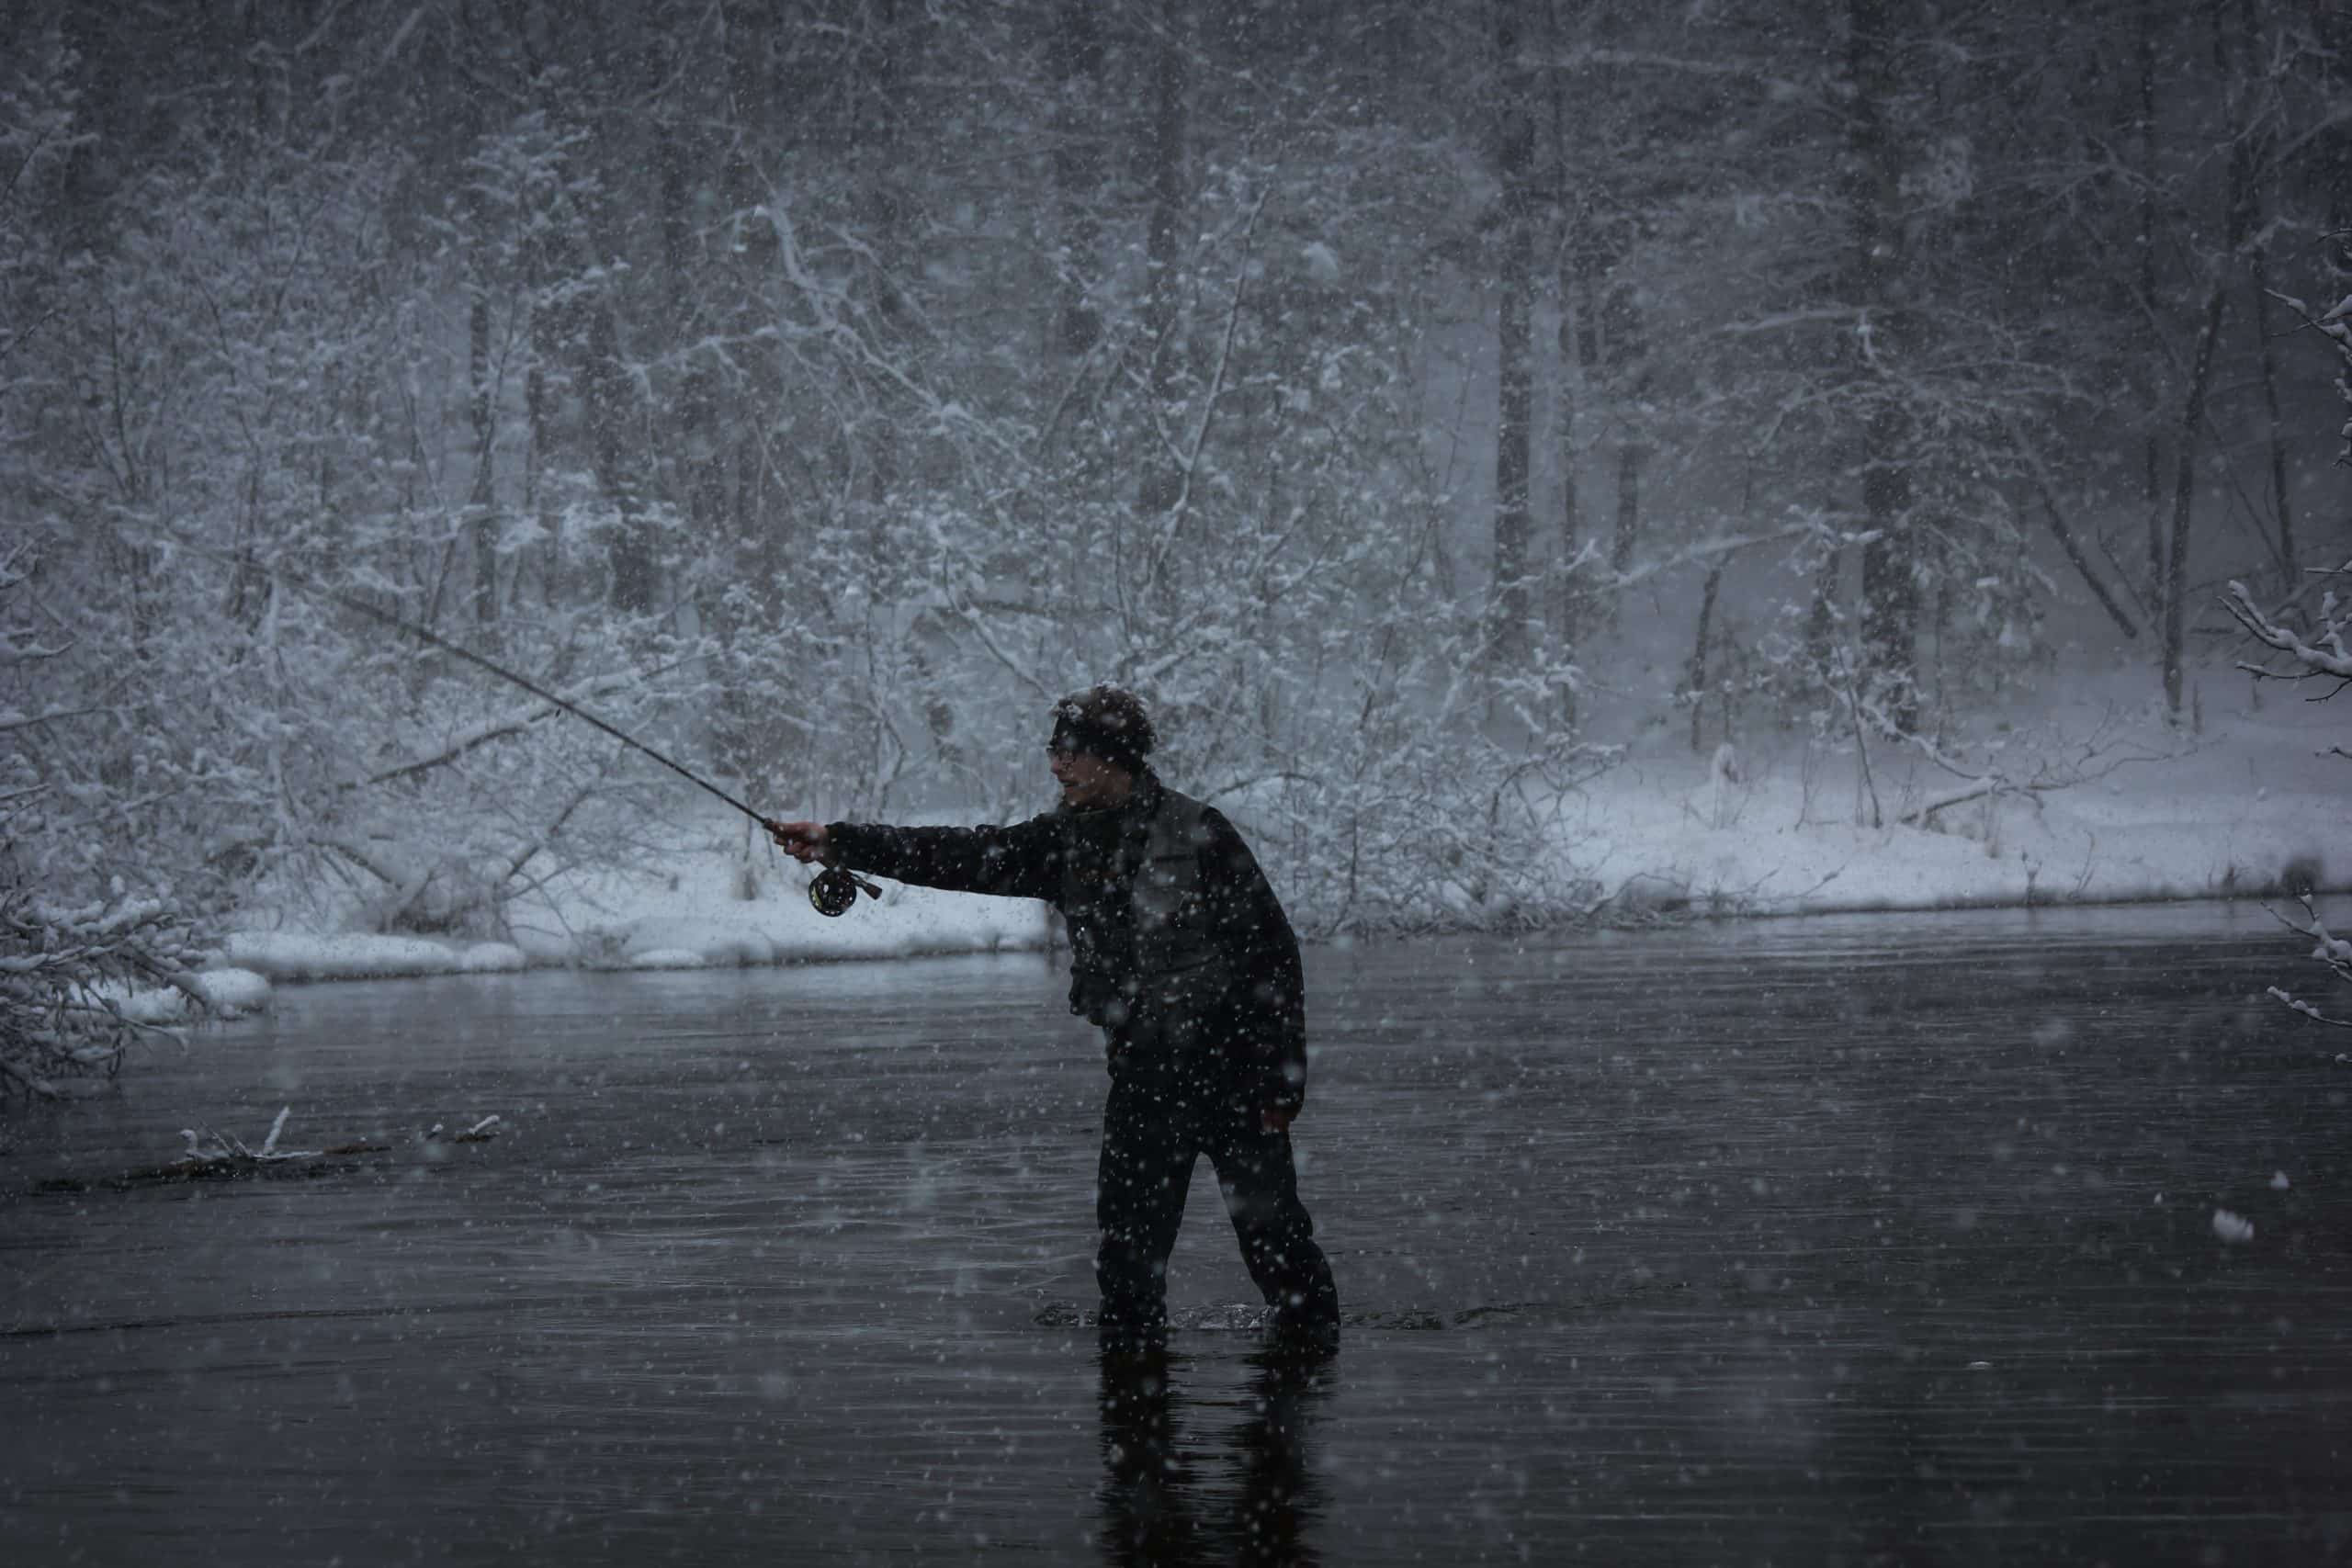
1105	722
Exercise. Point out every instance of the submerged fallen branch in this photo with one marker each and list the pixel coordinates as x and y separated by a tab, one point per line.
214	1155
221	1148
480	1132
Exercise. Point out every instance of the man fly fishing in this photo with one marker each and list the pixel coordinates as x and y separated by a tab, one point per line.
1181	954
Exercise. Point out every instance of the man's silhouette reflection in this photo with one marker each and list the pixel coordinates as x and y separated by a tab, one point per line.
1156	1507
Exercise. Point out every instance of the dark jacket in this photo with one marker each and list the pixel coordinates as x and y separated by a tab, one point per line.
1143	979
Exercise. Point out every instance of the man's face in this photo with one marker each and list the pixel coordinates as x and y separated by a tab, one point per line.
1087	780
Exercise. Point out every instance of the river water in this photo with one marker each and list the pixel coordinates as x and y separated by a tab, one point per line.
1848	1240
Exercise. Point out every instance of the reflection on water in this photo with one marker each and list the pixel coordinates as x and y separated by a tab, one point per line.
1173	1494
1837	1240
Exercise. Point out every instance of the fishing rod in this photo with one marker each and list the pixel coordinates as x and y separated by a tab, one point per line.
833	891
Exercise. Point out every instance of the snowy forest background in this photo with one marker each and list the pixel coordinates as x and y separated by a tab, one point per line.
1413	401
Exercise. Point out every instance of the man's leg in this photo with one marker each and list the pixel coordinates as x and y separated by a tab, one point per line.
1256	1172
1148	1148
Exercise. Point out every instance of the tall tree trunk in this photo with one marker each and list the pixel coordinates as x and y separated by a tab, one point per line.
481	509
1890	584
1567	541
249	585
1567	594
737	488
760	515
2237	212
697	444
670	157
2046	492
2176	580
882	71
1890	578
2152	465
537	498
1584	261
2282	505
1162	481
1821	612
1698	673
2334	26
1624	350
2259	142
259	57
1629	505
1514	162
605	385
1075	55
333	526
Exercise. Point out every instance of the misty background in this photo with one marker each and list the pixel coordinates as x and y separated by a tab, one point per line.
1419	404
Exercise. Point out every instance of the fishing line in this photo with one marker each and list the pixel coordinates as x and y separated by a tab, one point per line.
831	892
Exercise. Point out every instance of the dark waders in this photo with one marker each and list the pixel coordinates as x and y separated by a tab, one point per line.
1167	1107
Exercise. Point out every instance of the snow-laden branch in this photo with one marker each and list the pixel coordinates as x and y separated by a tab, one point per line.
1777	88
2329	950
17	648
2326	656
1843	317
10	719
2046	493
1190	461
63	972
1702	552
2098	757
827	304
475	737
2319	652
971	618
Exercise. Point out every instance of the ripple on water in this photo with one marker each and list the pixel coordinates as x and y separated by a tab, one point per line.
1814	1240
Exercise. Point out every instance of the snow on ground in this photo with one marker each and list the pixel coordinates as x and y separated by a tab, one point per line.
290	956
694	915
230	991
2130	810
233	991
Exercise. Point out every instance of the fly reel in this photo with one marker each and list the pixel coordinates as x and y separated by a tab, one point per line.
835	890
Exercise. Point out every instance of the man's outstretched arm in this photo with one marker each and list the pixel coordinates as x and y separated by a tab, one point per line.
1018	861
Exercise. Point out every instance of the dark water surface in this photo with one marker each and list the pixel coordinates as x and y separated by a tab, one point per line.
1835	1241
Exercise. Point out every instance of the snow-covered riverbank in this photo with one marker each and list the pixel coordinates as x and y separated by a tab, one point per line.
2101	802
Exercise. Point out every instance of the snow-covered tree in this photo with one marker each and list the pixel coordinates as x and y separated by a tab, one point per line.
827	387
2312	644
